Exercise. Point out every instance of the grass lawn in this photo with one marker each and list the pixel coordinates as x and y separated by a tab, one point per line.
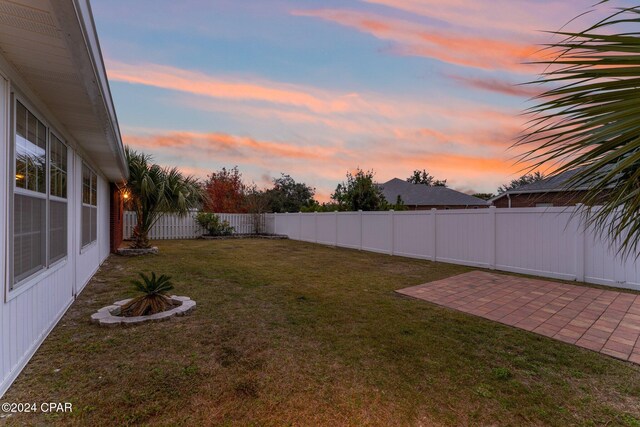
290	333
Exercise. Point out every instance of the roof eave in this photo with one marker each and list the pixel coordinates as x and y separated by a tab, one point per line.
514	192
78	17
88	26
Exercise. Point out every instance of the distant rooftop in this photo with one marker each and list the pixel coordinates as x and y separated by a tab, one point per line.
421	195
559	182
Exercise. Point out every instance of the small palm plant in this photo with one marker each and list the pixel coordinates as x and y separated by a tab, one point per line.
156	191
154	298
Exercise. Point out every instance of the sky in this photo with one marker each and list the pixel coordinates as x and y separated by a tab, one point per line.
314	89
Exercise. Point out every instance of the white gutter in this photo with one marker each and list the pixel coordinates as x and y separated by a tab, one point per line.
89	59
85	17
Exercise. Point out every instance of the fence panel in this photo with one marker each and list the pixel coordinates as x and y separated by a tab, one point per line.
269	223
172	226
308	231
327	228
349	231
603	266
539	241
376	231
547	242
462	236
411	233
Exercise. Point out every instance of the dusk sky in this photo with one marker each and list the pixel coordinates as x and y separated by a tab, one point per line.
315	89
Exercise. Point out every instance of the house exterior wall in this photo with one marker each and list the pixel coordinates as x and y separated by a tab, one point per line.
29	312
530	200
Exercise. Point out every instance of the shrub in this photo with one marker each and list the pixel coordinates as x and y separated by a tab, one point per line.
154	298
214	226
501	373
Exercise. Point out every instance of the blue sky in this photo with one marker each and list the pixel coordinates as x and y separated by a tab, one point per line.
316	89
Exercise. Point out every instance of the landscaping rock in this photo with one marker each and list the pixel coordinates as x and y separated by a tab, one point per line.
110	315
247	236
137	252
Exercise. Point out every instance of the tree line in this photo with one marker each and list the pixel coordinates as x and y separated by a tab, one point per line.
227	192
154	191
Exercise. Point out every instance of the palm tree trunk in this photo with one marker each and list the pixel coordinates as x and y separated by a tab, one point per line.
140	236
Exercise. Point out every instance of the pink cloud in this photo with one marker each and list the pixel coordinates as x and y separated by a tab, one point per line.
507	16
323	166
444	45
497	86
230	146
173	78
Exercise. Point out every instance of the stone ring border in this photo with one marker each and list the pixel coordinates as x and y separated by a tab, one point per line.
110	315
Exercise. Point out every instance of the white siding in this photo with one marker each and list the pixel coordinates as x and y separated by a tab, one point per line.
89	258
28	314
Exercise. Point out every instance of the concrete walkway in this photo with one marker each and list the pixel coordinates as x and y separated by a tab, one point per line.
606	321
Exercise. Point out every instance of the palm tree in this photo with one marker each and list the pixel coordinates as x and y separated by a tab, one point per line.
155	191
590	119
154	296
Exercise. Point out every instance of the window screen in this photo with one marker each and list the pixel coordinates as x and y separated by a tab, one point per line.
89	206
28	236
39	216
30	198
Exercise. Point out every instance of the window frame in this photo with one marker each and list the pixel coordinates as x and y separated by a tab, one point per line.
51	197
93	173
14	288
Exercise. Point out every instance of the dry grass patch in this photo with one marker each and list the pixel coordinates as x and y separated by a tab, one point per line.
289	333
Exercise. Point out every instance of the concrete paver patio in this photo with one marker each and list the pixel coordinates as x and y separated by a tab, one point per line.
606	321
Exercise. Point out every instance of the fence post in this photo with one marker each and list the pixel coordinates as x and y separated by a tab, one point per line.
299	214
392	231
580	243
315	226
434	242
492	237
275	223
335	242
360	221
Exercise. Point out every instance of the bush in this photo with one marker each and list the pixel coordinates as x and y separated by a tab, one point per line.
154	298
214	226
501	373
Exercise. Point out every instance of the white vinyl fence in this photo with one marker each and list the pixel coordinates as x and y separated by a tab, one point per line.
547	242
185	227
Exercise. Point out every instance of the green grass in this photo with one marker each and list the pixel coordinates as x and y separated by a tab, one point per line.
289	333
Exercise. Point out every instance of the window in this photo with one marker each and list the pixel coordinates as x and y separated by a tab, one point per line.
89	206
39	215
544	205
57	200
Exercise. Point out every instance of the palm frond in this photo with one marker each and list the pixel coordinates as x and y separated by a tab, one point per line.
156	191
154	298
590	119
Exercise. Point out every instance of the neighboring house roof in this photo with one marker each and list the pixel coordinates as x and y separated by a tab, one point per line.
554	183
52	51
423	195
